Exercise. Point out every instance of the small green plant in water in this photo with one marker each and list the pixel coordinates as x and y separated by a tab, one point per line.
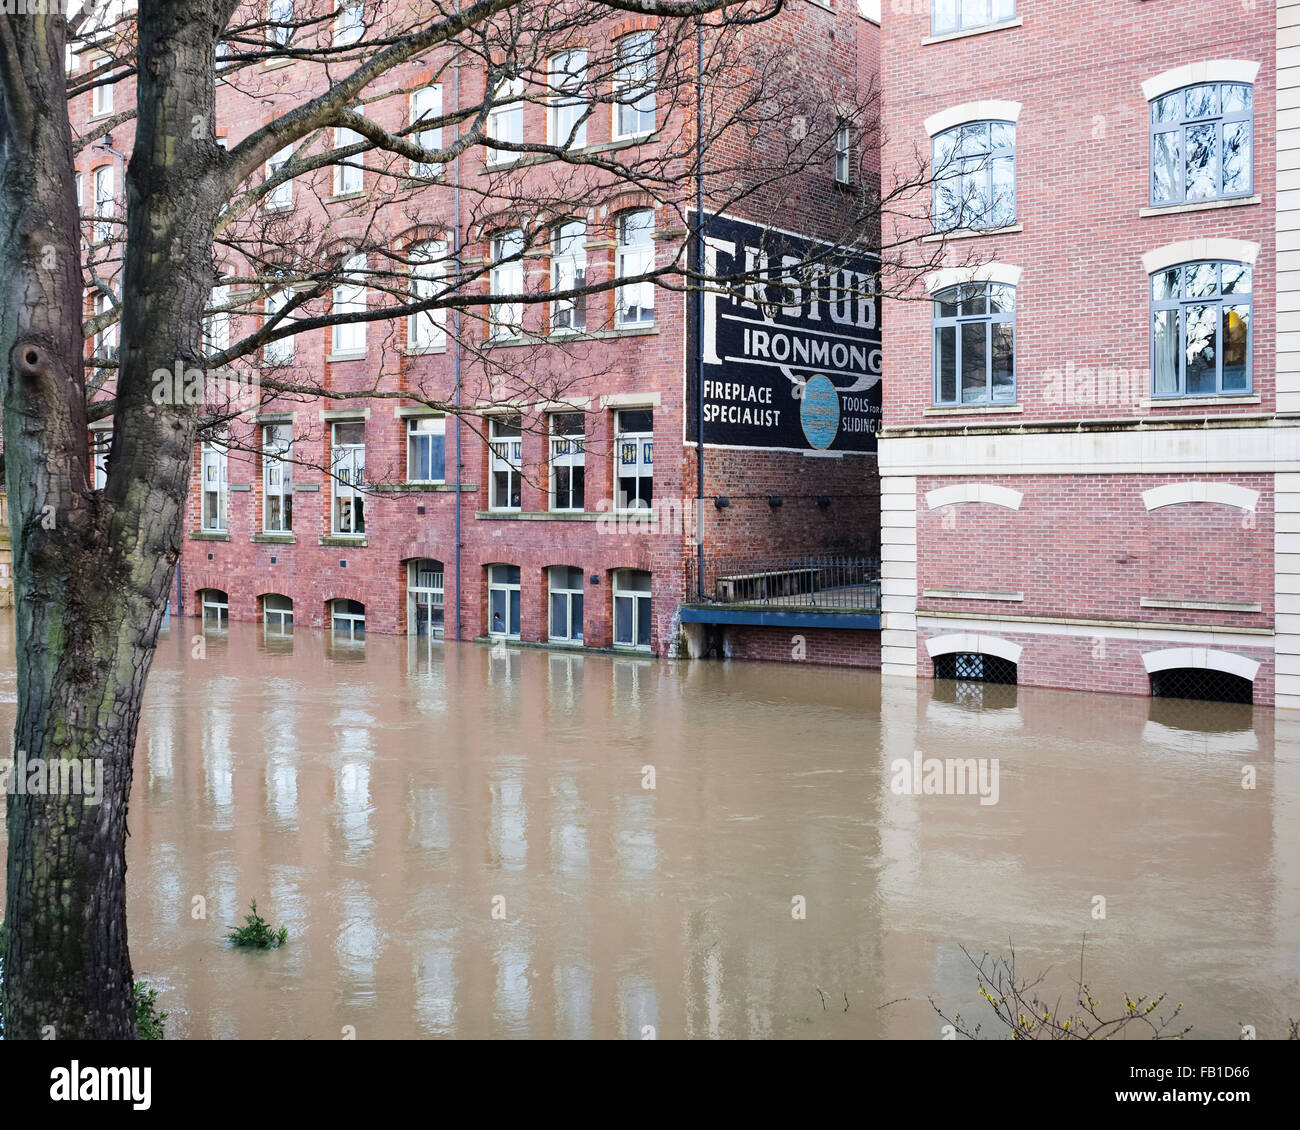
256	933
149	1021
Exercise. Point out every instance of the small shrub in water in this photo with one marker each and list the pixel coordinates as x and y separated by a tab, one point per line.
149	1021
256	933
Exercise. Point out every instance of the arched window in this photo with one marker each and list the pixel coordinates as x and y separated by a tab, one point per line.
214	608
632	609
1201	143
348	618
424	598
277	614
975	667
565	584
1201	329
974	170
975	344
503	601
1202	684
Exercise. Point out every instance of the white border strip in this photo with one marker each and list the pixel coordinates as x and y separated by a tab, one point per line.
972	112
1209	70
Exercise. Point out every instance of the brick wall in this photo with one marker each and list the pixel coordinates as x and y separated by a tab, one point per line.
1082	163
1085	546
830	50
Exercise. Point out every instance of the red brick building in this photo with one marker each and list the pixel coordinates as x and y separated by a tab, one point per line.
564	517
1089	453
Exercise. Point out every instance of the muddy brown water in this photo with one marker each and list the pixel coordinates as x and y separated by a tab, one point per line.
461	843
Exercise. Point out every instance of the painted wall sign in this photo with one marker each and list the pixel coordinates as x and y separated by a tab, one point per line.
791	362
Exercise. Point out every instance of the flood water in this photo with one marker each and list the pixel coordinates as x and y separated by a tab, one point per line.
461	843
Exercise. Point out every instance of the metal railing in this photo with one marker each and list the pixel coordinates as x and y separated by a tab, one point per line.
849	582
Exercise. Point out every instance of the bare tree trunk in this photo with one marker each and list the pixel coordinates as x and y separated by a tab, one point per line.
91	569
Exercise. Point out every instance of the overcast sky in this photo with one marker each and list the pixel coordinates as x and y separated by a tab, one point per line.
870	8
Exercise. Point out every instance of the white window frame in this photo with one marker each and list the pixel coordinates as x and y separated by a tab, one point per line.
338	611
567	109
101	97
281	196
566	592
220	608
350	297
277	476
416	427
505	278
505	456
505	121
216	326
278	14
349	178
425	596
634	70
427	329
347	479
279	351
214	487
566	449
281	619
632	259
569	272
843	154
1000	12
633	454
104	343
105	202
426	103
101	440
623	594
350	23
515	607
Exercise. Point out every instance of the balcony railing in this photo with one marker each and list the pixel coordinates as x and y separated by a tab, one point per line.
846	582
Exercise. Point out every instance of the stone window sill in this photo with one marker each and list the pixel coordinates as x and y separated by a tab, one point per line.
972	409
303	488
1196	401
344	539
422	488
1201	206
541	515
336	197
571	335
966	33
275	539
962	594
350	355
423	350
209	535
1203	605
971	233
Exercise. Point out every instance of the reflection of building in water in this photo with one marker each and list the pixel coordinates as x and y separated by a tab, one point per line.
1139	802
382	838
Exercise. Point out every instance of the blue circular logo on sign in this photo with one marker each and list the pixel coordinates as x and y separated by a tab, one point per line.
820	412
